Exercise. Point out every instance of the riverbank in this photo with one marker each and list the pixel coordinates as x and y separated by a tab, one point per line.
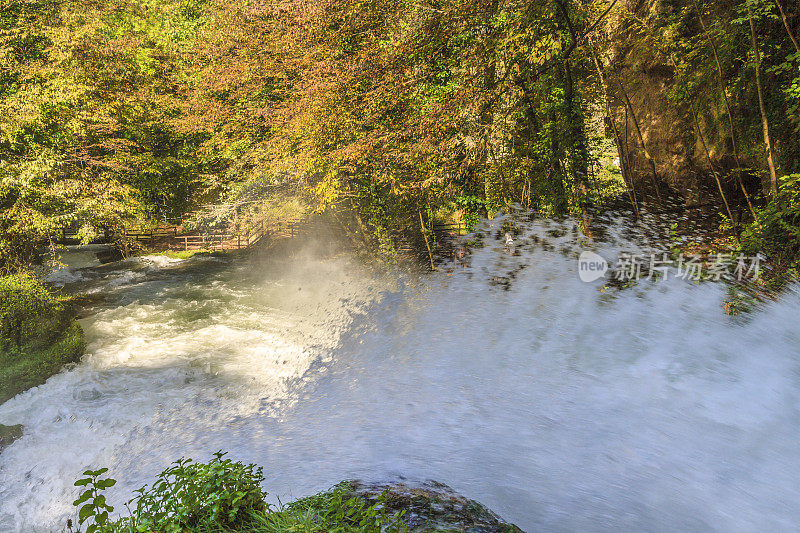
38	335
31	365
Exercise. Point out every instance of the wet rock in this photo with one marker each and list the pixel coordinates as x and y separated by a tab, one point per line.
110	254
433	506
9	434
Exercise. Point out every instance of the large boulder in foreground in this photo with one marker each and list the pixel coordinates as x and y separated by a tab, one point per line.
432	506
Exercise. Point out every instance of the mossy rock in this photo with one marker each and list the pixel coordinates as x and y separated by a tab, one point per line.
9	434
31	365
432	507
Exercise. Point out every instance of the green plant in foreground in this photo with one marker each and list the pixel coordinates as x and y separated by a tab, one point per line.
221	493
93	504
225	496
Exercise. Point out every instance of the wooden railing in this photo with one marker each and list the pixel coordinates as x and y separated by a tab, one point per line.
160	232
175	237
457	228
218	239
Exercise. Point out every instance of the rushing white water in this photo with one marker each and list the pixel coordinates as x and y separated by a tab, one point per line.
558	405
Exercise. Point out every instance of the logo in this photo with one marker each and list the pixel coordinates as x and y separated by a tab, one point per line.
591	267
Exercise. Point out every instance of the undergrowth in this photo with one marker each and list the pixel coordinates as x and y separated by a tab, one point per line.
776	233
223	496
38	334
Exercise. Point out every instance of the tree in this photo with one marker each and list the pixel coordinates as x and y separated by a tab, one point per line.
764	118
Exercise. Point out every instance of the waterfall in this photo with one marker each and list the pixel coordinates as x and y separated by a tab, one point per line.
563	405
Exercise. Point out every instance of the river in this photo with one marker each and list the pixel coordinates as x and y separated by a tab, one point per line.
561	406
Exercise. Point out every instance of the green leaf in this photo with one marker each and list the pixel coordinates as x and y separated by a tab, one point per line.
105	483
83	497
85	512
82	482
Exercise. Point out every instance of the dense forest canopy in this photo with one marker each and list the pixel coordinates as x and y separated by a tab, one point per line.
393	114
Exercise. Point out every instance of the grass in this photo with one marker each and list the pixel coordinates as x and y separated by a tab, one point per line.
31	365
333	511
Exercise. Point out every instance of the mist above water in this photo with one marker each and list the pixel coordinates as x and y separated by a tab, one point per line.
560	406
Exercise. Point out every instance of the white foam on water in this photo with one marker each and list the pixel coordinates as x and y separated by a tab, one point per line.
159	261
63	276
561	407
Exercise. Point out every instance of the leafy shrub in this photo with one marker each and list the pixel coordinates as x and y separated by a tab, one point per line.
28	312
223	495
189	495
776	231
473	208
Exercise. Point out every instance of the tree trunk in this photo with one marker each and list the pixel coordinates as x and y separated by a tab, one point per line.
561	205
580	154
622	156
576	137
773	175
788	28
486	116
711	165
424	232
641	140
724	90
531	127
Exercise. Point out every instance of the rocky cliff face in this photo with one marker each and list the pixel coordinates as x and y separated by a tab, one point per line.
641	73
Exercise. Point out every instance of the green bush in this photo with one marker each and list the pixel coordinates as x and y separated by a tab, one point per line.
225	496
38	334
776	231
29	312
189	495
